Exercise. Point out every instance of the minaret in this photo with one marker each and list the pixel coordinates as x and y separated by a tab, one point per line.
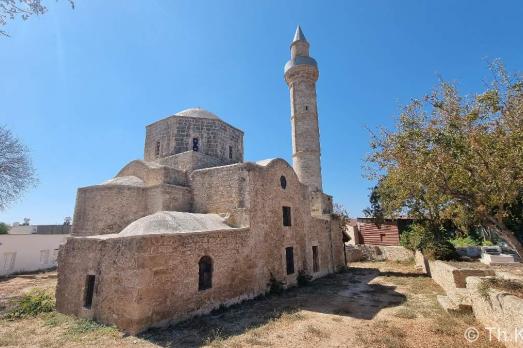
301	74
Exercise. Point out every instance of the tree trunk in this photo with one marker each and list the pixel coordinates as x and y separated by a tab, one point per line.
508	236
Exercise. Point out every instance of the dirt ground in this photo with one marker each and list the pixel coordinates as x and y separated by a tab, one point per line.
374	304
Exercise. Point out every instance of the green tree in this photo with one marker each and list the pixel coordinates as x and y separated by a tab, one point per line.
456	158
375	210
4	228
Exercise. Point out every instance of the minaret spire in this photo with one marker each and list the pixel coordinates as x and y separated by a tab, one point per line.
301	74
299	36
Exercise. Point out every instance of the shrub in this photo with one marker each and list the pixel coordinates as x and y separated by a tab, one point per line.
35	302
432	241
4	228
342	269
440	250
276	287
464	241
415	237
83	326
303	279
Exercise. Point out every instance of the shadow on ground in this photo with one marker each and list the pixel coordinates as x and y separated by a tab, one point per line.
346	294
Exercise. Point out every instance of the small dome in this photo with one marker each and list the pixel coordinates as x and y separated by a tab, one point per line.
198	113
165	222
130	180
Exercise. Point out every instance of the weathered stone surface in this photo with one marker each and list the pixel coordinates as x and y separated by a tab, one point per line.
301	74
175	135
452	308
138	239
501	312
422	263
362	252
453	280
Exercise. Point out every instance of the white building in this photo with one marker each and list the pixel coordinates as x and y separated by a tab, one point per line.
31	248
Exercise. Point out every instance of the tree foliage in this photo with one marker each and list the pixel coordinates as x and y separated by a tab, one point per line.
4	228
341	212
23	9
375	210
432	240
16	170
456	158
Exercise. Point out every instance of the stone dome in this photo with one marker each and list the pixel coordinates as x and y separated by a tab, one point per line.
197	113
129	180
165	222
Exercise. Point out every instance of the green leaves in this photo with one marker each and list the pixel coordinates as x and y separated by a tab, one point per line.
490	101
452	157
33	303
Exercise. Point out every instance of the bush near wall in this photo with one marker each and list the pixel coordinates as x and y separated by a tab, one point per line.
432	241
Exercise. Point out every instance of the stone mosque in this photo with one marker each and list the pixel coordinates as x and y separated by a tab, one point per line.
193	227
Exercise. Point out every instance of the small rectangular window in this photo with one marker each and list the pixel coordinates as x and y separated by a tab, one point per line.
289	257
195	144
287	219
230	152
157	149
89	291
315	261
382	237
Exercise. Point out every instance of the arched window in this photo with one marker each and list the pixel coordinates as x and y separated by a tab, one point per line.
283	182
205	273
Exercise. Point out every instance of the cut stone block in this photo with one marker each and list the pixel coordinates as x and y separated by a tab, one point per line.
490	259
450	307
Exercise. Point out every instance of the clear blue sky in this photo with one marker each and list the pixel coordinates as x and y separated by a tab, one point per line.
79	86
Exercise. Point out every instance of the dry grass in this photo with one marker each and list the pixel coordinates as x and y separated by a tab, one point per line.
317	331
376	304
406	313
509	286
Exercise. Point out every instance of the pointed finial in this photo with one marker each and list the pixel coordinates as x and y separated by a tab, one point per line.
298	36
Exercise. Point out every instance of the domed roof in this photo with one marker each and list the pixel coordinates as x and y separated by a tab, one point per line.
198	113
164	222
130	180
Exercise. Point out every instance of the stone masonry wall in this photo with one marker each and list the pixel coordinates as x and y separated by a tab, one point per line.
153	174
175	135
267	197
106	209
304	120
221	189
169	198
378	253
190	160
155	276
321	203
501	312
152	280
453	280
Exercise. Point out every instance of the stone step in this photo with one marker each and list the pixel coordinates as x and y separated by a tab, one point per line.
450	307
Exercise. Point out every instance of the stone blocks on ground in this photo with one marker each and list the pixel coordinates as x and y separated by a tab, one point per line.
499	311
364	252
